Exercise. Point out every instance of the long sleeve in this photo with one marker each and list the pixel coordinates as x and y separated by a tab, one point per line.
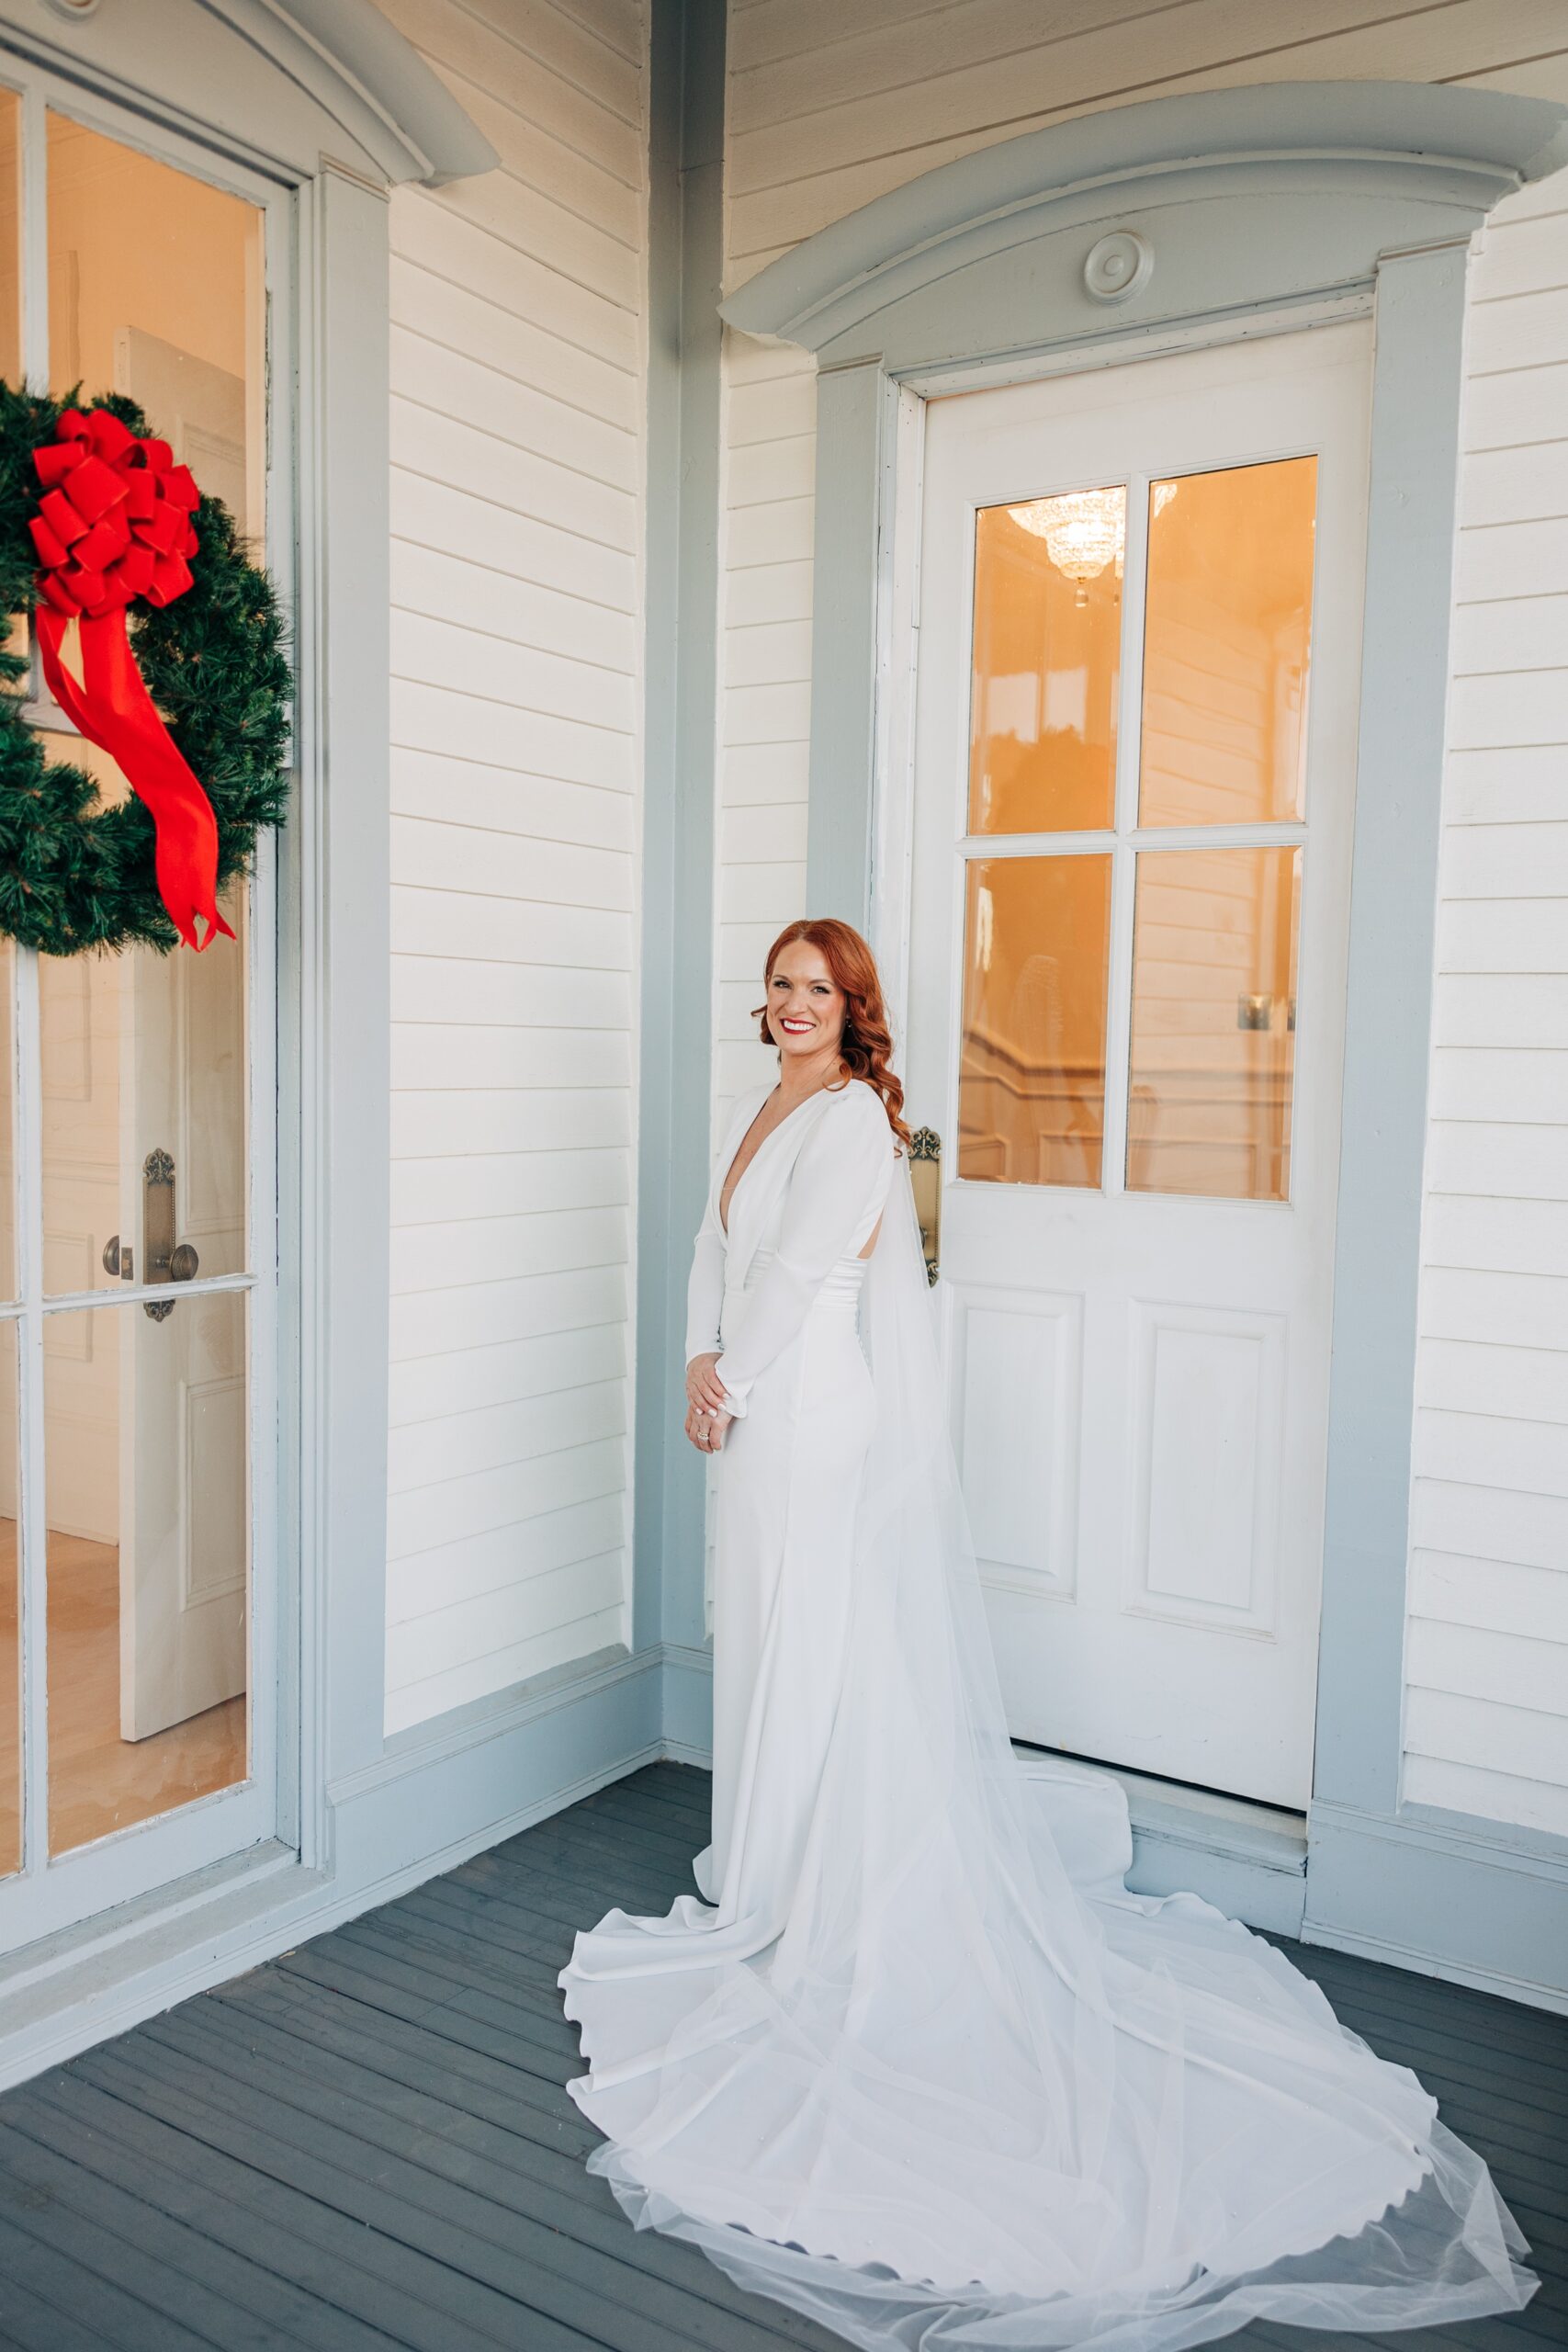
843	1168
705	1287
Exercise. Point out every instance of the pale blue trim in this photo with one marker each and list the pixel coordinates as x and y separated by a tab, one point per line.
370	78
685	259
1393	897
855	427
1462	149
1450	1896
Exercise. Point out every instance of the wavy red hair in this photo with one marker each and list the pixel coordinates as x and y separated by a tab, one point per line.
867	1042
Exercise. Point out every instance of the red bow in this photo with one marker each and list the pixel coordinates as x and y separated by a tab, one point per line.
114	523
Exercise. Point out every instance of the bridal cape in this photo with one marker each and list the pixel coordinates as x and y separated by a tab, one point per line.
918	2064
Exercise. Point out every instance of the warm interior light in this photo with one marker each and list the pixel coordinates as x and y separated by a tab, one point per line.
1084	530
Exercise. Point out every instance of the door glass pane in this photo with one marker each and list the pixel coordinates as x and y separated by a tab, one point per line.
10	238
149	1518
1225	630
1031	1064
144	1109
7	1156
155	289
1214	1022
10	1614
1046	663
13	630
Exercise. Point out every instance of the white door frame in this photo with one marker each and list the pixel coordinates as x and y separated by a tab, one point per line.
1237	205
249	107
49	1895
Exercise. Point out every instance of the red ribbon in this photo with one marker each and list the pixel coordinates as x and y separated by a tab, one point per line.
114	523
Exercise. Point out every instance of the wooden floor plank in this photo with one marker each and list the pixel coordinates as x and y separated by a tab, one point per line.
450	2203
369	2143
346	2267
33	2326
31	2254
532	2184
172	2268
472	2309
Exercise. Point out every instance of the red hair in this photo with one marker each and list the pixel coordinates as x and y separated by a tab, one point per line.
866	1044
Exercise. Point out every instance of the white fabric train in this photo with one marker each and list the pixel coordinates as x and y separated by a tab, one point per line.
918	2065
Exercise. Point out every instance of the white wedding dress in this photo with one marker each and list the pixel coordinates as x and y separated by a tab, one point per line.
914	2061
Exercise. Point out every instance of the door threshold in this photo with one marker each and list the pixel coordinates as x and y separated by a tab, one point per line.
1248	1859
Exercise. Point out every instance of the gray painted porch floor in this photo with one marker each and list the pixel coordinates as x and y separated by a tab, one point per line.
367	2143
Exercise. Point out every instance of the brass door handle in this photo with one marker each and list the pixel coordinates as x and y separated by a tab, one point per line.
164	1259
925	1176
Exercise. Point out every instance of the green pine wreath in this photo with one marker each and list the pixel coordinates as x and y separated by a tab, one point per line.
75	872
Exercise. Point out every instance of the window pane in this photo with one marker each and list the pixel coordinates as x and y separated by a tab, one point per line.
10	238
1214	1022
10	1614
7	1155
149	1518
156	288
1031	1065
144	1106
1226	634
1046	663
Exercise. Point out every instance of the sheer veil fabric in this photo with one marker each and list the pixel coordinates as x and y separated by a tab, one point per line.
918	2065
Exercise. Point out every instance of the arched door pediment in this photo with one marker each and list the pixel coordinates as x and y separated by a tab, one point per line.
290	81
1229	196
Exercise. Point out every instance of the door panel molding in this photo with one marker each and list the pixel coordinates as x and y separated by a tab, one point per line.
1032	1406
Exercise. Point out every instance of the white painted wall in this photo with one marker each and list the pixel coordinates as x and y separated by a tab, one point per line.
518	404
832	102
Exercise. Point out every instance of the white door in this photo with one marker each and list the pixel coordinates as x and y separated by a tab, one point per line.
1135	734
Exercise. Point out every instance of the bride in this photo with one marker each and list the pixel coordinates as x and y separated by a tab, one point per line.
914	2061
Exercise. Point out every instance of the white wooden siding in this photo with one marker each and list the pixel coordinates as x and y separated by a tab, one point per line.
518	396
1486	1710
832	102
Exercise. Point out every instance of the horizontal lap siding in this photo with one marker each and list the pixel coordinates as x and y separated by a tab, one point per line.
1486	1713
518	329
833	102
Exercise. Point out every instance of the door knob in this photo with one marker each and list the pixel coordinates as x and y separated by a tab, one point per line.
925	1176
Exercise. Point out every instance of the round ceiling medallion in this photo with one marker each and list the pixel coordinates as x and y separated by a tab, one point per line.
1119	265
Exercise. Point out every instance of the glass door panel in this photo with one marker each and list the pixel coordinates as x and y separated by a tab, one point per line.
148	1520
1225	627
1194	982
1031	1064
145	1082
155	289
10	1614
10	237
1047	659
1214	1022
133	1630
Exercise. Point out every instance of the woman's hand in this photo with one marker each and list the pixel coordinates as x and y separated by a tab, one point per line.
707	1430
705	1392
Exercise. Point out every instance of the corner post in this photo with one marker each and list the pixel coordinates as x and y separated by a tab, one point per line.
1412	518
856	439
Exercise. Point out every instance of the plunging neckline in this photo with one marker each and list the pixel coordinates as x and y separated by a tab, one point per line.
733	1189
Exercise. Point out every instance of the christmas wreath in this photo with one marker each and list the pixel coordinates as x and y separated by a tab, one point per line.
180	675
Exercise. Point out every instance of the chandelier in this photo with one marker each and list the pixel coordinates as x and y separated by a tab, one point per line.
1085	530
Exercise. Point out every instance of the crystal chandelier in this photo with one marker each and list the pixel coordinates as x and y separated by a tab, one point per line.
1085	530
